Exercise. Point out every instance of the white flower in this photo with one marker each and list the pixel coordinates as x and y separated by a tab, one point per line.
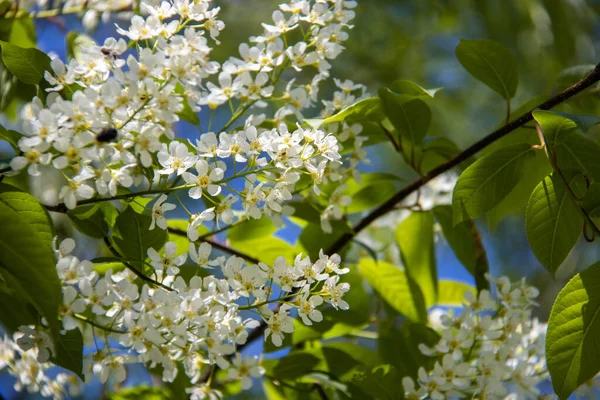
169	260
72	304
278	324
307	308
336	292
76	189
204	180
201	255
245	369
197	220
177	159
158	212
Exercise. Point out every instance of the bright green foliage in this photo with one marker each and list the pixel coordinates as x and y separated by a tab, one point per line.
465	241
27	262
11	137
374	189
491	63
69	352
399	346
572	352
90	220
412	89
259	228
397	288
452	293
28	65
415	239
30	209
294	365
366	109
187	114
536	169
312	238
410	115
487	181
132	237
141	392
553	222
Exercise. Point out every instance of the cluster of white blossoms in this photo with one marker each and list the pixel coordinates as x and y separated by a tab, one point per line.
27	360
492	348
195	323
107	124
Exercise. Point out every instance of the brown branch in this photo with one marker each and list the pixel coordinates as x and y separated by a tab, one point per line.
383	209
133	269
389	205
219	246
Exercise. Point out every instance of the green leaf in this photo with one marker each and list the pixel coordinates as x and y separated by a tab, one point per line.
357	298
141	392
395	287
28	65
312	238
69	352
89	220
366	109
75	41
374	133
251	229
132	237
465	241
294	365
102	268
266	250
579	152
18	31
410	116
383	382
488	180
399	347
414	236
29	263
572	352
584	122
12	137
452	293
138	203
491	63
554	125
374	189
32	211
16	309
412	89
438	150
553	223
572	150
516	201
187	114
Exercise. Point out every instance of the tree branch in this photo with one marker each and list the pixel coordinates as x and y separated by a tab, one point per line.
389	205
219	246
133	269
383	209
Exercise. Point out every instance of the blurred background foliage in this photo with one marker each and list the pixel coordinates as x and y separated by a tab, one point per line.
416	40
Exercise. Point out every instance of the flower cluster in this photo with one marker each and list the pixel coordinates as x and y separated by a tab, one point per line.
195	323
26	357
491	349
108	123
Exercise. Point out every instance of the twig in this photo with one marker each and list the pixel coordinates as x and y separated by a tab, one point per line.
383	209
219	246
389	205
133	269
